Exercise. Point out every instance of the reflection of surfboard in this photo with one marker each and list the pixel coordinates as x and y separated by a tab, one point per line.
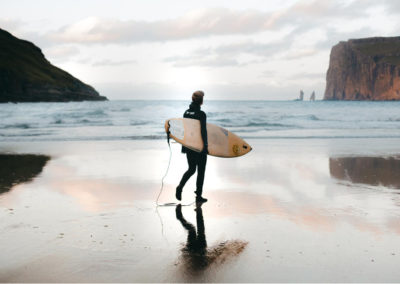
221	142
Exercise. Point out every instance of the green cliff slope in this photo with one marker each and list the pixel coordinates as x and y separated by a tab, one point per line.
26	76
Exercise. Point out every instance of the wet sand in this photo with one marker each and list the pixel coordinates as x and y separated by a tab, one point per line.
290	211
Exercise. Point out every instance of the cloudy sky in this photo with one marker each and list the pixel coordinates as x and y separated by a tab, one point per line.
161	49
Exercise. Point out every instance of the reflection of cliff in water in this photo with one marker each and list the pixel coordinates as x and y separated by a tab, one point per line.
367	170
17	169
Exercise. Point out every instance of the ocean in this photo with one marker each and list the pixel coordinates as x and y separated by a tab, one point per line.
142	120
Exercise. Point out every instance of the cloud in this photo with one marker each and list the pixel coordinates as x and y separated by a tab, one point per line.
60	52
300	78
213	61
251	47
227	54
230	54
10	24
203	23
318	75
334	37
199	23
300	53
107	62
392	7
307	27
301	16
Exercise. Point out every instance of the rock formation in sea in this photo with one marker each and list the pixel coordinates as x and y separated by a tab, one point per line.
301	96
364	69
27	76
312	97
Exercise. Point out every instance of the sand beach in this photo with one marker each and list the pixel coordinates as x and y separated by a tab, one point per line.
283	213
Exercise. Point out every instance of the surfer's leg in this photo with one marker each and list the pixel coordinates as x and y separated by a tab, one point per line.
191	159
201	169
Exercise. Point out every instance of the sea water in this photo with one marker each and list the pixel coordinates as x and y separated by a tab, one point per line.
139	119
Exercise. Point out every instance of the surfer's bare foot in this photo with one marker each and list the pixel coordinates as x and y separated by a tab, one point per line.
178	193
201	199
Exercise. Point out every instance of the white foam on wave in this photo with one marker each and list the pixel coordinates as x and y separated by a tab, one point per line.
113	120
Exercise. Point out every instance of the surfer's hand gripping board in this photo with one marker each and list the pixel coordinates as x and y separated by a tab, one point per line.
221	142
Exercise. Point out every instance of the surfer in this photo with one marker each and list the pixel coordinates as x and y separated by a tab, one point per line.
195	159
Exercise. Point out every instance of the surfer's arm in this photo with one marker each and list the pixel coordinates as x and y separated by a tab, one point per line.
203	124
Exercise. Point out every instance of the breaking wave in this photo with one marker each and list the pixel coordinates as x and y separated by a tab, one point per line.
144	120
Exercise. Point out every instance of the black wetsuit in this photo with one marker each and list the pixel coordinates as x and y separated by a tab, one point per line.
196	159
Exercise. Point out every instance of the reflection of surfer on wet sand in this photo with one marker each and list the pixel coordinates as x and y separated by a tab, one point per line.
195	255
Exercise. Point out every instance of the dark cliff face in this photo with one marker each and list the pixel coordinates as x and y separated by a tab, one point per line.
364	69
26	76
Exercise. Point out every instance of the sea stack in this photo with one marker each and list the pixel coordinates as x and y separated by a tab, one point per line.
27	76
364	69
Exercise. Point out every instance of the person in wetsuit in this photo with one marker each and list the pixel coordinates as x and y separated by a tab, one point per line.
195	159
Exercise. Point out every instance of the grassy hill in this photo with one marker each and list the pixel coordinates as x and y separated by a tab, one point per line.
385	50
26	75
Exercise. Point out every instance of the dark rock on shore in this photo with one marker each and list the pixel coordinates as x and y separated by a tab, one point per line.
364	69
27	76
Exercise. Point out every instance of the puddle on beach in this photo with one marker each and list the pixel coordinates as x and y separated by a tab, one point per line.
376	171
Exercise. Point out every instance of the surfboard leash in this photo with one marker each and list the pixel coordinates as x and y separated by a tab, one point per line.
166	172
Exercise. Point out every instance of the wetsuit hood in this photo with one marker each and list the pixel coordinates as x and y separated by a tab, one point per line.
194	106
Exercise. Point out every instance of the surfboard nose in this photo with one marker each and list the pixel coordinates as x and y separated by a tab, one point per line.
246	148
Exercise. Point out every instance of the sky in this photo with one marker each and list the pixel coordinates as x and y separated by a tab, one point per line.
166	49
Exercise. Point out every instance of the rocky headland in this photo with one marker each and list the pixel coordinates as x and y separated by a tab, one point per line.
364	69
27	76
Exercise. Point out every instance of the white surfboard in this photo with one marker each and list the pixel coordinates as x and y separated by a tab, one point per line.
221	142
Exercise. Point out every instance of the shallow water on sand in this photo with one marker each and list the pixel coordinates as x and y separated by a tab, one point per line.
291	210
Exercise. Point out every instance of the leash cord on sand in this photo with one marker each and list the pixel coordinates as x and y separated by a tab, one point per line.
162	180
